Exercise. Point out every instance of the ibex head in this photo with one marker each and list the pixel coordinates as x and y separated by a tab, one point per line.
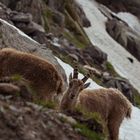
76	85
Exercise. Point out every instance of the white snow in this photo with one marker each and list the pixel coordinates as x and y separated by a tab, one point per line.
129	129
68	69
131	20
117	55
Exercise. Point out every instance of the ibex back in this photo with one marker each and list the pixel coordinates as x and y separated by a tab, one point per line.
42	75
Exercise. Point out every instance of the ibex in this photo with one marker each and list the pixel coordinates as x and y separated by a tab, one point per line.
110	103
43	77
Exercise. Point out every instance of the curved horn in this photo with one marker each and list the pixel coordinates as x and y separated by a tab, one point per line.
85	78
75	73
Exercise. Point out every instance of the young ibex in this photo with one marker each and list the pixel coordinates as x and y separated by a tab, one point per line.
43	77
110	103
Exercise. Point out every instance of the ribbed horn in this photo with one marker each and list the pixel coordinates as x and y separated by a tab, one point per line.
75	73
85	78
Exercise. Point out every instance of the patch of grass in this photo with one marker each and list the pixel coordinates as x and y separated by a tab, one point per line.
81	69
98	122
97	80
48	18
76	35
89	115
62	119
137	99
85	131
16	77
47	104
111	69
73	39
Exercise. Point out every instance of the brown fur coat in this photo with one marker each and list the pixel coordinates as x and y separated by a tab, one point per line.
43	76
110	103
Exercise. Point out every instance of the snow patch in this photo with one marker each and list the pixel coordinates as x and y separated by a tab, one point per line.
131	20
68	69
117	55
130	129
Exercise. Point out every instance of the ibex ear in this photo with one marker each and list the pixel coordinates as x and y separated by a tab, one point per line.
70	77
86	85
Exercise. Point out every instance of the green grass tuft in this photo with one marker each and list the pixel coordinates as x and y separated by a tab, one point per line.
85	131
90	115
137	100
111	69
16	77
73	39
47	104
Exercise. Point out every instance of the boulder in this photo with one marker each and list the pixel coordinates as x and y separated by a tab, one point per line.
29	28
20	17
83	19
98	56
124	35
131	6
35	8
121	84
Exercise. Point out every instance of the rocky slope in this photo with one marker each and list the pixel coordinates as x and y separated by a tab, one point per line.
19	115
120	30
58	27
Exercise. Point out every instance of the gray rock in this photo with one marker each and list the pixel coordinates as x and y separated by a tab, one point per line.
124	35
20	17
29	28
131	6
122	84
96	54
35	8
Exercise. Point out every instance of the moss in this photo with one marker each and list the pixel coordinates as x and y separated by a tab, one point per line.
85	131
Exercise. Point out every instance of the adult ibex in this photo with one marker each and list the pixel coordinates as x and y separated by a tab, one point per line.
110	103
42	75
